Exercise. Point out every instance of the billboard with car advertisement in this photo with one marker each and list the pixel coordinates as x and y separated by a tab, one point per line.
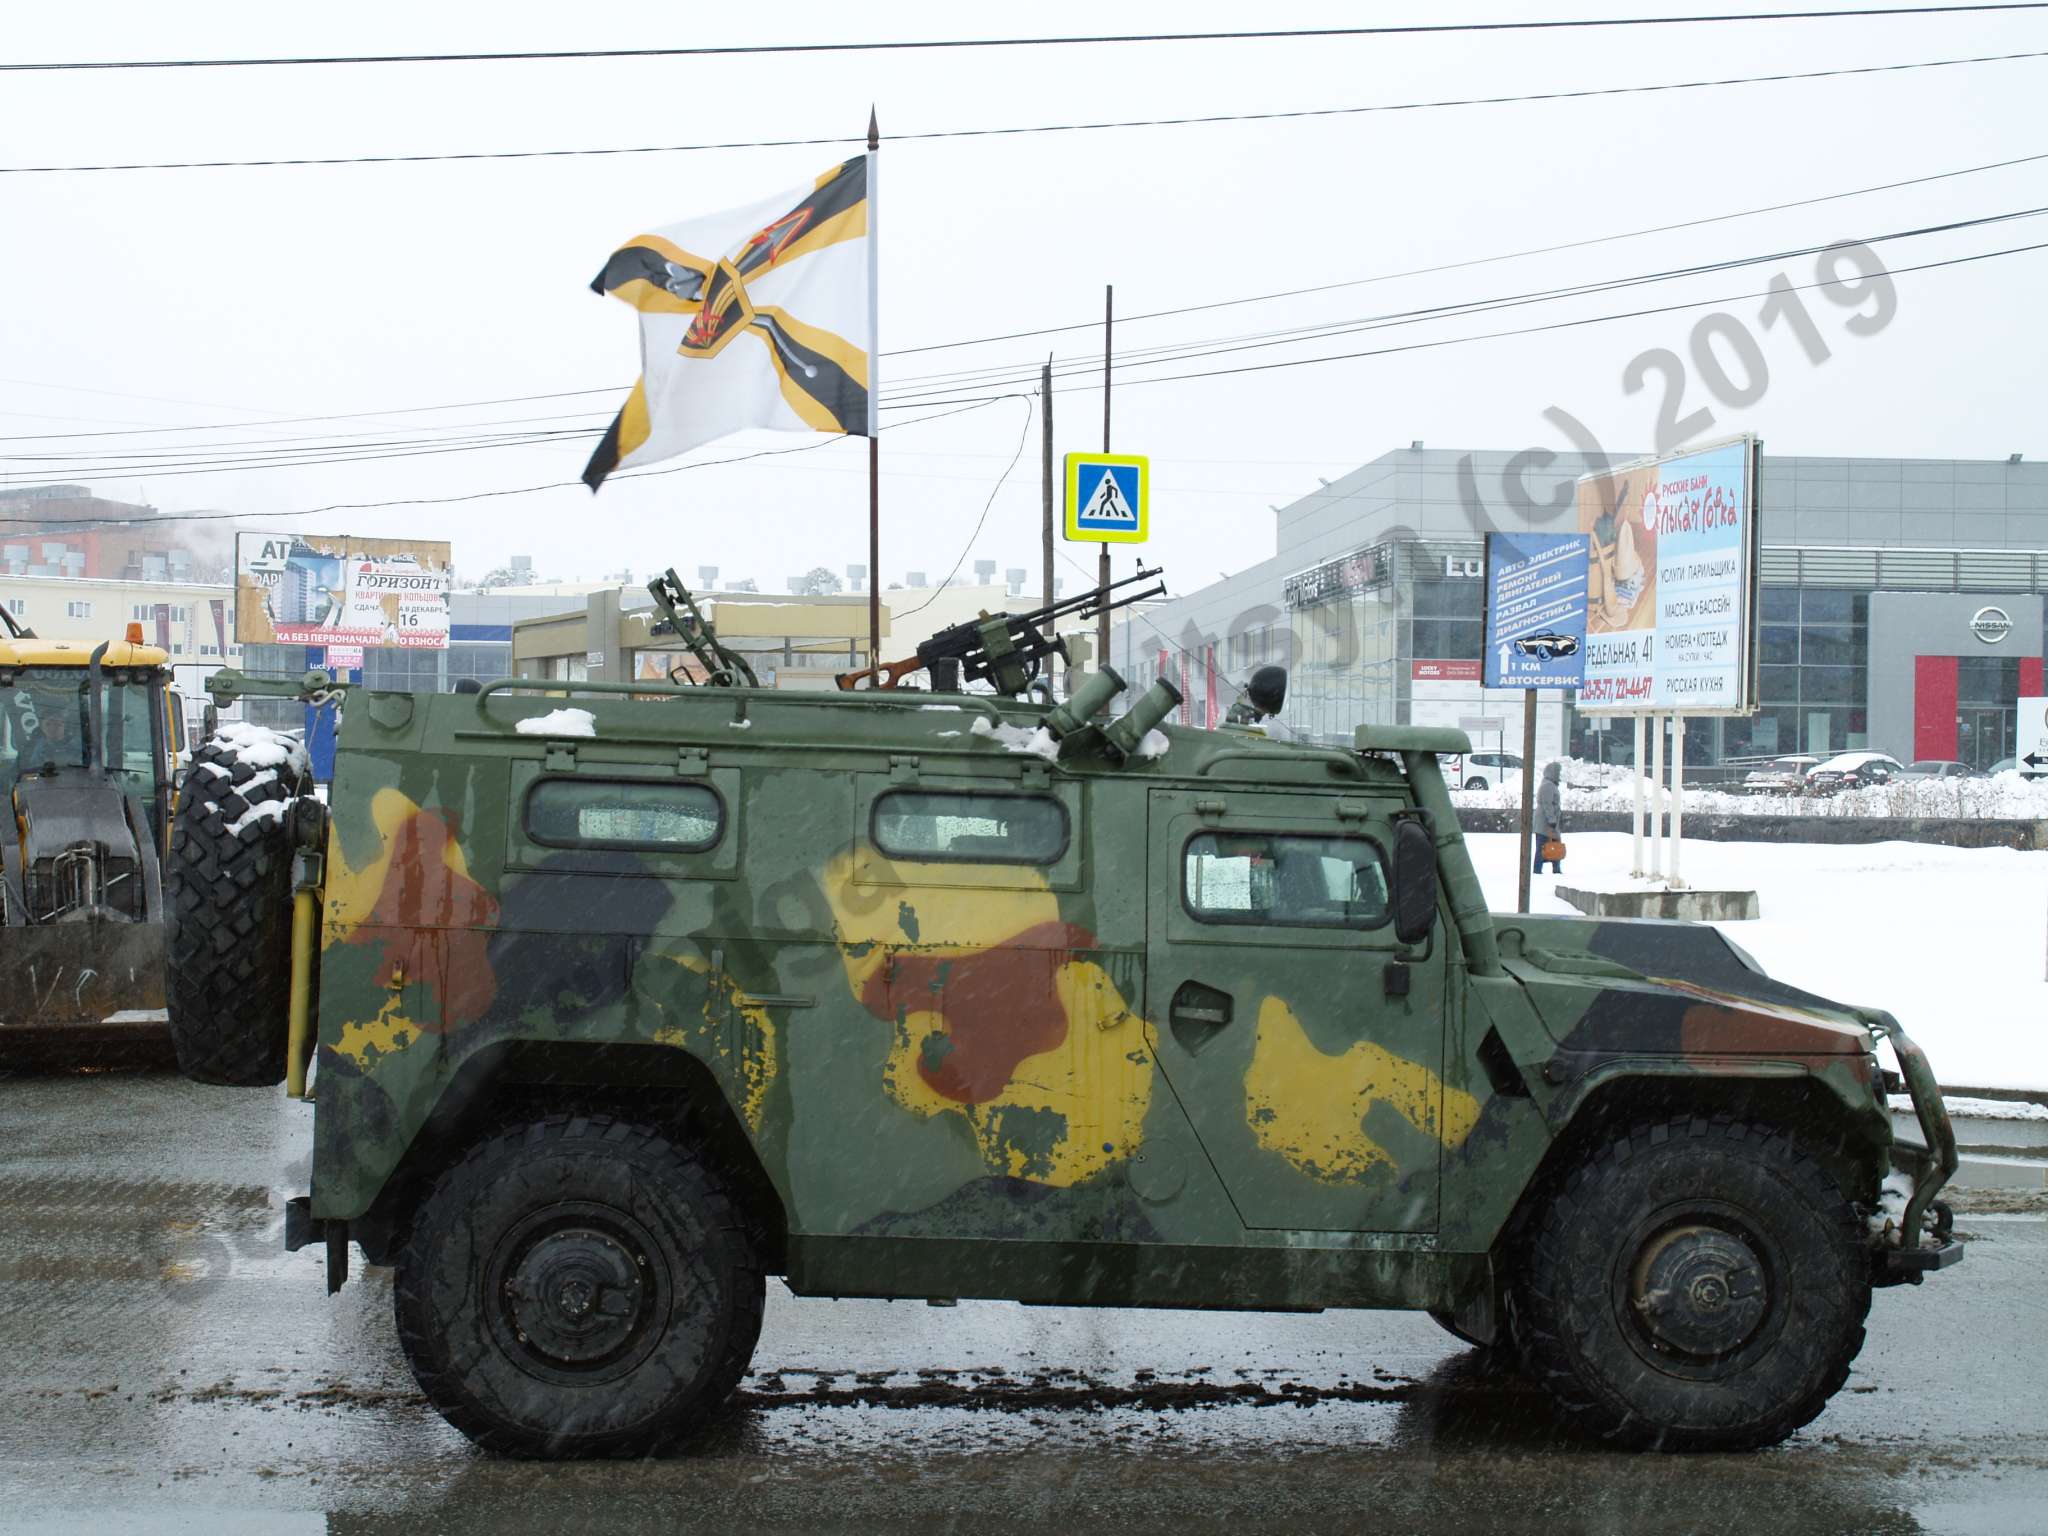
341	590
1671	606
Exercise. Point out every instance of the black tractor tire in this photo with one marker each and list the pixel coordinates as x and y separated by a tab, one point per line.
581	1286
228	918
1698	1284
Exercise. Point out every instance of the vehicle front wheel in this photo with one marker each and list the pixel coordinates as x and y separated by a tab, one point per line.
1694	1285
578	1287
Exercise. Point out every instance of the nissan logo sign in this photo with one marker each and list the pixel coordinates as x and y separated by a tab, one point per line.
1991	625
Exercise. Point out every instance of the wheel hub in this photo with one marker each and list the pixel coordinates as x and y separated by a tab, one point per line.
1699	1291
576	1297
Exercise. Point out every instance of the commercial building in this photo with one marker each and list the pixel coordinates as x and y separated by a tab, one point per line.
1901	606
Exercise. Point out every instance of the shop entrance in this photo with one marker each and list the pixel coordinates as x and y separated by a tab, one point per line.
1984	736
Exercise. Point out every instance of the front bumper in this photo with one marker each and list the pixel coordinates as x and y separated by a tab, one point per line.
1924	1239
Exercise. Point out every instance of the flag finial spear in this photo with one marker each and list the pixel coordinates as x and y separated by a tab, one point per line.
874	132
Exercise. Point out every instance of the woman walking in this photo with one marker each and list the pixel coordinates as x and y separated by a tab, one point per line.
1549	819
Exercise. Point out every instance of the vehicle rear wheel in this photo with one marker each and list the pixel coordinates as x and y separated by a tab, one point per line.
578	1287
1475	783
228	907
1694	1285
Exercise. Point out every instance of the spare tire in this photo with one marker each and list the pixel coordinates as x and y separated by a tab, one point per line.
228	906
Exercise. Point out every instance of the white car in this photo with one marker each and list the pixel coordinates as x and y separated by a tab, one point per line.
1482	770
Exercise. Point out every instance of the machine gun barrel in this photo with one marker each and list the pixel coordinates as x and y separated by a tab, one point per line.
1006	648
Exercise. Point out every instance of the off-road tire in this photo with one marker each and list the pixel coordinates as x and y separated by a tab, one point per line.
1628	1308
228	919
525	1257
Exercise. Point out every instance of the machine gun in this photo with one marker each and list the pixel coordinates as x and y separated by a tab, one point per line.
681	617
1006	648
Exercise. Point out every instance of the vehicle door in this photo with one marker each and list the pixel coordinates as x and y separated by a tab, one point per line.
1304	1043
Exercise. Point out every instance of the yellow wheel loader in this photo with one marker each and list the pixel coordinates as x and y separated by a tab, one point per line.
91	741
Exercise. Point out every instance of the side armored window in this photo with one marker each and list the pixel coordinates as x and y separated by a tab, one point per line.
583	813
985	829
1272	878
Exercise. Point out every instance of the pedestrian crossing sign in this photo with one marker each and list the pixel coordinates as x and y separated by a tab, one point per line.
1108	497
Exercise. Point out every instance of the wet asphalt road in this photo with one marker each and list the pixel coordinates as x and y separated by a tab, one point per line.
169	1367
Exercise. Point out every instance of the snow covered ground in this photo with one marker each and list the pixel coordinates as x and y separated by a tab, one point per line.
1606	787
1954	941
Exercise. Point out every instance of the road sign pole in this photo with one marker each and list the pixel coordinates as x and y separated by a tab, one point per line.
1656	797
1528	795
1102	564
1677	795
1635	769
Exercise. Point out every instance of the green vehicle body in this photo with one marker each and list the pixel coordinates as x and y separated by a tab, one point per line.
1059	1079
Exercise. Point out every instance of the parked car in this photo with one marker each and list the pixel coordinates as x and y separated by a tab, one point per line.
1484	770
1780	776
2005	765
1942	768
1854	770
1547	646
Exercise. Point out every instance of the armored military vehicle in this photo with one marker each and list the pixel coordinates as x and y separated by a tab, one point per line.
624	1001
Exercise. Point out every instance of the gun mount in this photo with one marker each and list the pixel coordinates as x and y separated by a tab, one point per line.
1007	649
723	666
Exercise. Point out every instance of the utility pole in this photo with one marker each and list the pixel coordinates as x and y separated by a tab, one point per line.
874	432
1102	566
1045	499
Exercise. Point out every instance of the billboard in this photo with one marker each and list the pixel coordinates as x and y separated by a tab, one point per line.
313	589
1535	610
1671	583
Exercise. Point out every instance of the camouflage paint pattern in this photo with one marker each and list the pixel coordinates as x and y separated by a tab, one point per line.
1044	1080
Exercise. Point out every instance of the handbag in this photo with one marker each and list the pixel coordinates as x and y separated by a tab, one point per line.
1553	850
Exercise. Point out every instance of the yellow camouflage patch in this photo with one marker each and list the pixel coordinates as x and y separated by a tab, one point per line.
1310	1107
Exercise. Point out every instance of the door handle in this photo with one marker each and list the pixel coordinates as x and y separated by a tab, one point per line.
1197	1015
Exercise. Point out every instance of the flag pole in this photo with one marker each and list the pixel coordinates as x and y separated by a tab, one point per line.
874	439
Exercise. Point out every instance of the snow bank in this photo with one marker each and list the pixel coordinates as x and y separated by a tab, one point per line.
262	747
1949	940
1606	787
1978	1109
559	722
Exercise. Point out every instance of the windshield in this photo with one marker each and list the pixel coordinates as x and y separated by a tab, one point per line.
44	721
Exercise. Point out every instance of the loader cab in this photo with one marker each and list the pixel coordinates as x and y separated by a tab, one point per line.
46	721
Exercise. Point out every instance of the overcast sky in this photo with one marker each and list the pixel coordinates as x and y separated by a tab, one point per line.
210	297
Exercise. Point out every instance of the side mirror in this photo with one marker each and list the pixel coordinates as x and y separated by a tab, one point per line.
1415	880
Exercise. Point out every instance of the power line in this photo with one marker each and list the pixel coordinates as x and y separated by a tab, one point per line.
157	519
966	549
1087	325
1420	29
1188	351
1531	330
1021	130
1479	261
470	440
982	374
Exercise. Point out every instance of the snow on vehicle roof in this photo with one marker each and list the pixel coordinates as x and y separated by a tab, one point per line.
1842	762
